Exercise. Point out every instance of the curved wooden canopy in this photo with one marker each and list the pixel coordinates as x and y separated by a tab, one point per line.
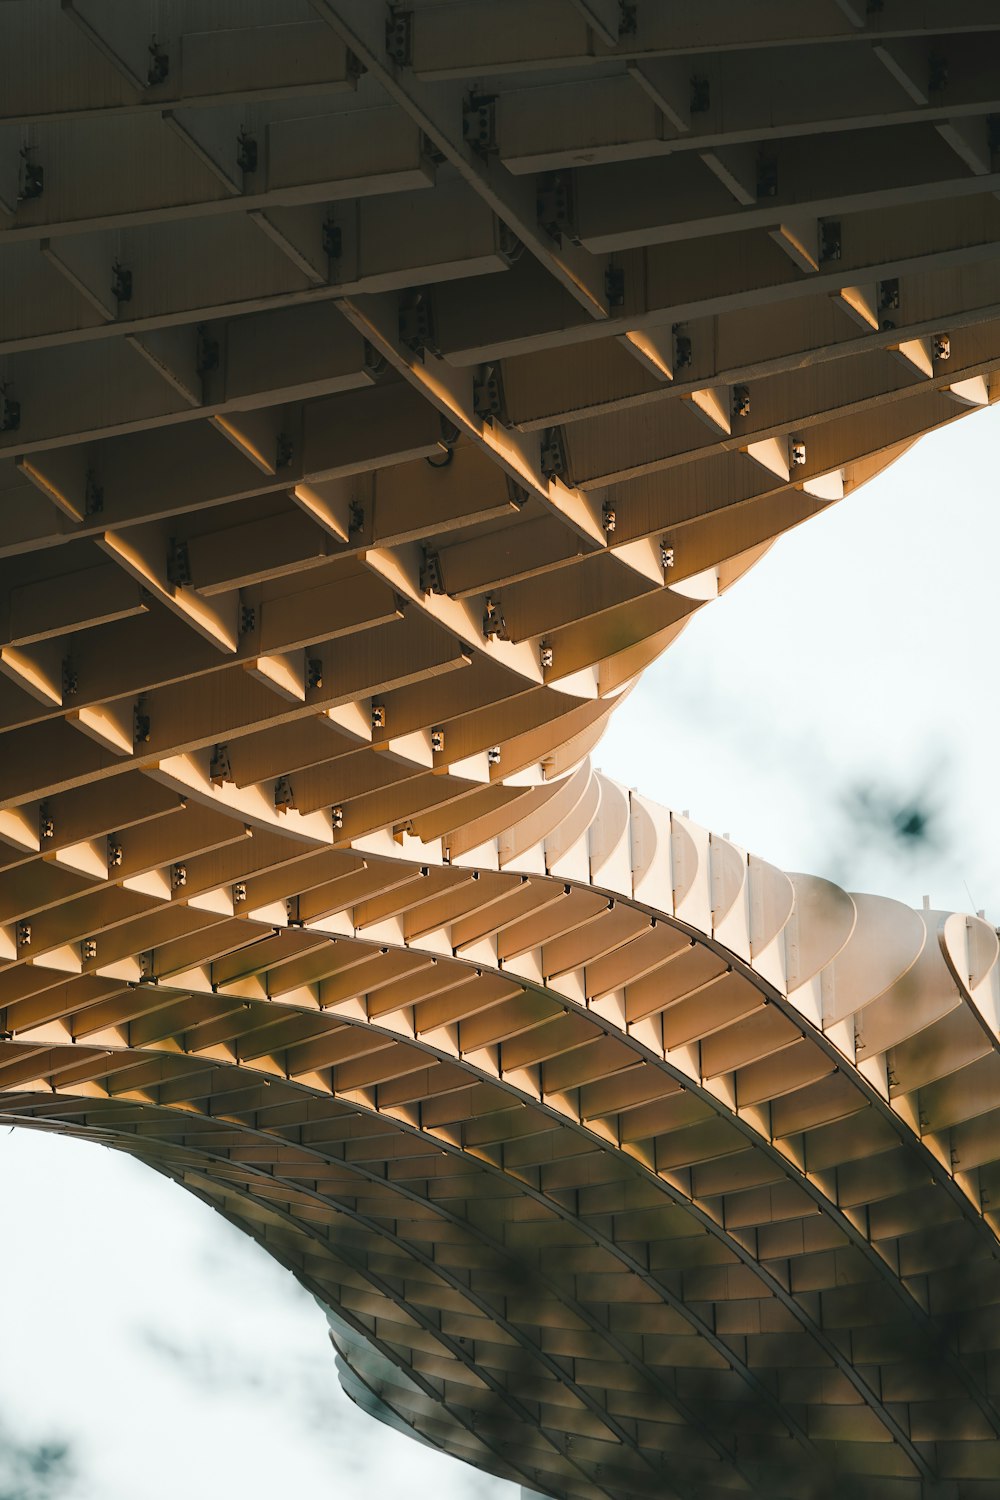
381	390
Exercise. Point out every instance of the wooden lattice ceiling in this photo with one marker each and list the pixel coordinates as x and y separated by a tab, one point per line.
380	391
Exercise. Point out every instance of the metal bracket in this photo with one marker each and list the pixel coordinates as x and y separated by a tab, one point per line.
159	64
121	282
628	24
93	494
614	286
830	239
767	175
140	725
488	398
431	581
32	178
479	124
701	94
553	454
333	239
510	245
374	361
556	206
683	350
416	322
494	623
10	411
937	72
284	451
399	37
246	152
517	495
178	564
741	401
220	770
206	355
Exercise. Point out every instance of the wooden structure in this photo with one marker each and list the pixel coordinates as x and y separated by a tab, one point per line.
381	389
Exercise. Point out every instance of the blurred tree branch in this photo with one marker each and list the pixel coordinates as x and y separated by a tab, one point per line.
33	1470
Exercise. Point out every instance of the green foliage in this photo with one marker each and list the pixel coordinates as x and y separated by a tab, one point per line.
33	1470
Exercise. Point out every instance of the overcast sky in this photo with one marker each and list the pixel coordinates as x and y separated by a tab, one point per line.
836	712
